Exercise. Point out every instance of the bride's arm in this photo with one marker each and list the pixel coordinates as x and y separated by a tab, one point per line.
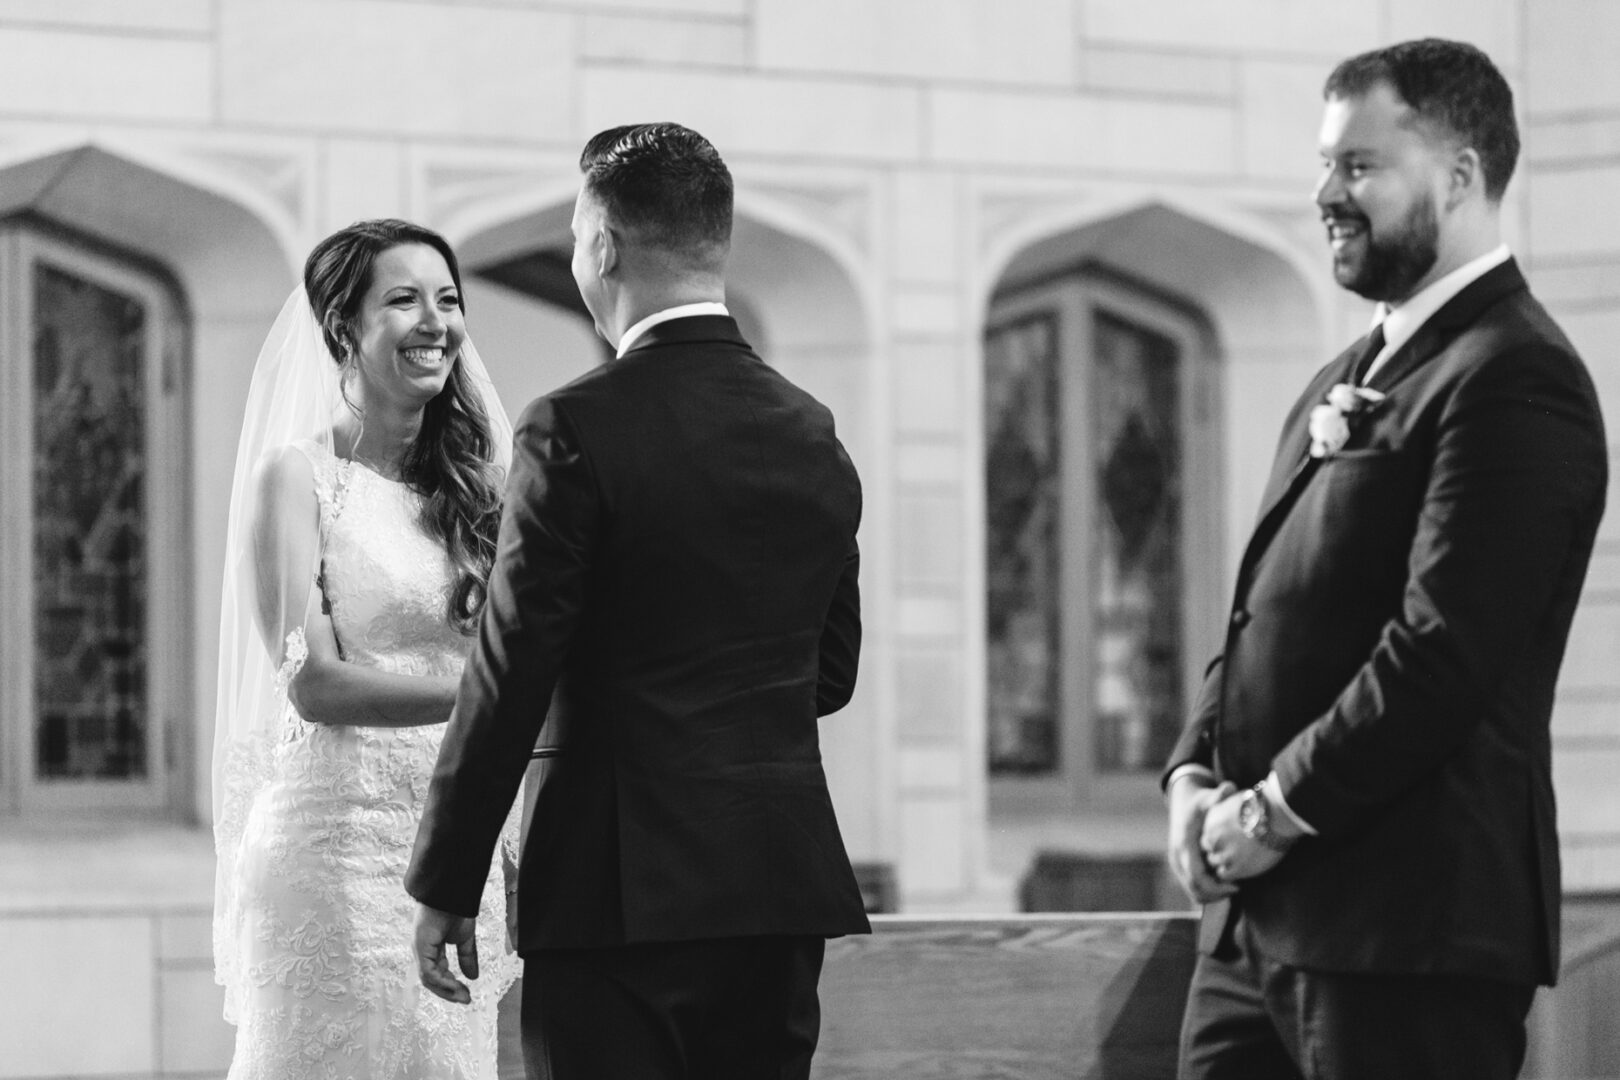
325	689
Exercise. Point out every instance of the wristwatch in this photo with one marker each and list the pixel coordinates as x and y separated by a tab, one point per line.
1254	818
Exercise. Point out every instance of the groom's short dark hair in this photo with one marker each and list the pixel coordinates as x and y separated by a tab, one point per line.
1449	84
665	185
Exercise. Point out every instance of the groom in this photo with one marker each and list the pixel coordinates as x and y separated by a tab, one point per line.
675	596
1363	799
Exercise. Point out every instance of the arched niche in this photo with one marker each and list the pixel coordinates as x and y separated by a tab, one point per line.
796	300
1262	294
1267	308
229	245
1229	302
233	256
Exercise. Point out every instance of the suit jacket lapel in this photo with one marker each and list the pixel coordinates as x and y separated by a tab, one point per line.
1432	336
1458	312
1295	466
1293	456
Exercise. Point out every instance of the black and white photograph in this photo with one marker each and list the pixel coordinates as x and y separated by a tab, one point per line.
788	539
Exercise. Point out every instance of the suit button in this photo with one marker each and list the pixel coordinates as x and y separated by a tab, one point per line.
1240	619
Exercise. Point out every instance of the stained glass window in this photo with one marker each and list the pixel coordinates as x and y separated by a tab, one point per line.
1085	534
1136	526
1023	473
89	529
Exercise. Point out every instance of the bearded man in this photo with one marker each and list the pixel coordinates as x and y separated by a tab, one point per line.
1363	796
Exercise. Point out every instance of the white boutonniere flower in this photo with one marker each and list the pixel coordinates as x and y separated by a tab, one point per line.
1330	423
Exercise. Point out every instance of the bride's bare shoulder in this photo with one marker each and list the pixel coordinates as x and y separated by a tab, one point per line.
285	477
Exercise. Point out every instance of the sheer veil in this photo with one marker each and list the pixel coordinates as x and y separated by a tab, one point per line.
295	395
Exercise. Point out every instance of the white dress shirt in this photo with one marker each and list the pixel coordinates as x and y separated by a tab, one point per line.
1400	322
680	311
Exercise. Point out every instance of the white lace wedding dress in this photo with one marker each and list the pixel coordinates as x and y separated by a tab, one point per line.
328	980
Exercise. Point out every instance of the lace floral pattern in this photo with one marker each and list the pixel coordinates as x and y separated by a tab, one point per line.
325	985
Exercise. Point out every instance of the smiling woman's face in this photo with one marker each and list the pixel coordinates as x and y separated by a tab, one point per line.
410	326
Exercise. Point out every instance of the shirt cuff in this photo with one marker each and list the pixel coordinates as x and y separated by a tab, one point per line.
1271	788
1192	768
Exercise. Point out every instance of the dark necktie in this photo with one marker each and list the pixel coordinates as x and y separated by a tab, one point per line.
1374	346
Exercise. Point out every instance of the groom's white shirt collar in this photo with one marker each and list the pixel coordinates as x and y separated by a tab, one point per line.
1401	321
680	311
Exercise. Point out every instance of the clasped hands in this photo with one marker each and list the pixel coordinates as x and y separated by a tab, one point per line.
1209	852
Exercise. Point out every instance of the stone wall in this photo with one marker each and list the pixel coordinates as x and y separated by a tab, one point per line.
896	160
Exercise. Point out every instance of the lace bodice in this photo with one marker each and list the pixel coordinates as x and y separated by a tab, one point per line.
327	978
387	580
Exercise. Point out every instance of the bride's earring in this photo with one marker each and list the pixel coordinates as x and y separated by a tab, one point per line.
346	370
349	366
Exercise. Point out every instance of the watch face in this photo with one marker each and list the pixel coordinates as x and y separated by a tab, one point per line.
1249	813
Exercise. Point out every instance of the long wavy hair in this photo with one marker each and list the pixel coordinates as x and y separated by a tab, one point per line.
450	462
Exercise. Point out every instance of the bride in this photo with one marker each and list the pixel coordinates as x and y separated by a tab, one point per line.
362	530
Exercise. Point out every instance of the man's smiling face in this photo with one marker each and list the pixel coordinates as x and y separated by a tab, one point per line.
1384	175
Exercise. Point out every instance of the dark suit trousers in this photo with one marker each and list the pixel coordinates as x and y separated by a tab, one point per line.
725	1009
1251	1019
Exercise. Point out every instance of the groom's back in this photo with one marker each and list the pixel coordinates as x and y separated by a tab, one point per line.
674	602
718	621
730	502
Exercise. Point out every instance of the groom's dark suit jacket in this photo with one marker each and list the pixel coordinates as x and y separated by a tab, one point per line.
675	596
1399	619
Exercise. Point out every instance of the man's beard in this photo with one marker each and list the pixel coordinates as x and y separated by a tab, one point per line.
1391	265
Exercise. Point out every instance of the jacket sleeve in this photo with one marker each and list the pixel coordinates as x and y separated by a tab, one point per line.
1514	491
536	592
841	639
1197	743
1196	746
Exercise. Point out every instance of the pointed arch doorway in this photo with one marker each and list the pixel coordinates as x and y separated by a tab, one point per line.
1100	443
1137	359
